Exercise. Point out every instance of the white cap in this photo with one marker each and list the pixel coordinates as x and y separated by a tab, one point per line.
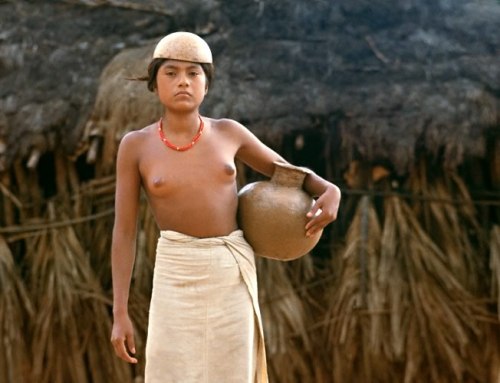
184	46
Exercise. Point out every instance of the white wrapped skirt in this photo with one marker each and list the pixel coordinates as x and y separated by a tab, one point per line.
204	321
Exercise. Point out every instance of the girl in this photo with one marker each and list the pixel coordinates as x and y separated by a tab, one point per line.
204	320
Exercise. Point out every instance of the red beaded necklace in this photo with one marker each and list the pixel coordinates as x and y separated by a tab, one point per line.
180	148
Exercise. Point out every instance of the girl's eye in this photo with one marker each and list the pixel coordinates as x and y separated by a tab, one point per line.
170	74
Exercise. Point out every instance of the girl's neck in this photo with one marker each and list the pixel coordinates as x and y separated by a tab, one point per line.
181	122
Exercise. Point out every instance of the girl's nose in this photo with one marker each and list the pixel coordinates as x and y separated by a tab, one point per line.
183	79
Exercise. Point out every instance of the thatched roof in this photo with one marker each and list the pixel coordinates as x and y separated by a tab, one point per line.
390	75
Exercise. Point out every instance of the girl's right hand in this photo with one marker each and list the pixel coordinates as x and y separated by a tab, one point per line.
122	338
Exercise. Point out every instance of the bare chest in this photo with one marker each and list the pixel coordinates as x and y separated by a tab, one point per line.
165	172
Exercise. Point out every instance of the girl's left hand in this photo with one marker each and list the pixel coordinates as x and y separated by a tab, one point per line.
324	210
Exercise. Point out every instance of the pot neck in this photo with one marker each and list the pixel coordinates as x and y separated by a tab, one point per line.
289	175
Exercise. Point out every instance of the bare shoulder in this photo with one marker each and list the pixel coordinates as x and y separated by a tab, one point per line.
133	140
136	136
229	127
226	124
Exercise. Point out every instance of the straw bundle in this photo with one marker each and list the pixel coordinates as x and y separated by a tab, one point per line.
121	105
452	227
432	316
455	229
398	313
70	334
357	306
494	339
285	320
15	311
97	197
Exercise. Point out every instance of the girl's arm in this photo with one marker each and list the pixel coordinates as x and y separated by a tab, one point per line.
326	206
123	243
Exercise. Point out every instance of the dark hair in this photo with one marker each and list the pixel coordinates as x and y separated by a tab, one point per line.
155	65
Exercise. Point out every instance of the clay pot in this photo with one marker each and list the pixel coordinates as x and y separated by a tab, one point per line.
272	214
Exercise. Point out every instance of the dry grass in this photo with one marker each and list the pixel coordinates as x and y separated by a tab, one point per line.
95	197
121	105
454	228
438	305
405	301
15	312
357	329
286	320
398	312
70	332
495	264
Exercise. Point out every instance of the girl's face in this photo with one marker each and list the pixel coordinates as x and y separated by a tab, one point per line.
181	85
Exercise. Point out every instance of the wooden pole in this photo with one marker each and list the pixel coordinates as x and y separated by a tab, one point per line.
8	207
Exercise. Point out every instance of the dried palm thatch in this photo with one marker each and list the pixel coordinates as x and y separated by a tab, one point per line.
452	226
357	306
495	264
415	321
15	312
494	340
94	199
455	228
286	321
439	305
97	197
70	334
121	105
